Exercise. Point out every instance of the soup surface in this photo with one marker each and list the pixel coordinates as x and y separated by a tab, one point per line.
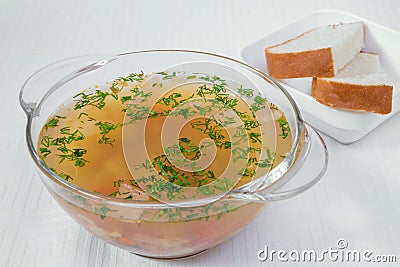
145	137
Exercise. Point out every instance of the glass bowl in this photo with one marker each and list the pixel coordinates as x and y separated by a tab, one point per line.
179	228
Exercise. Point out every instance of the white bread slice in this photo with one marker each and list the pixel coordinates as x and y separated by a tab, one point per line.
359	85
320	52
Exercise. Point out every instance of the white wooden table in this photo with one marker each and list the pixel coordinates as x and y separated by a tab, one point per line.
358	199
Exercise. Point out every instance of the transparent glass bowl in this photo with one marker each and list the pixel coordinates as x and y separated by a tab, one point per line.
183	228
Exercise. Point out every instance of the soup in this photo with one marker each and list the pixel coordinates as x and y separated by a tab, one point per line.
164	137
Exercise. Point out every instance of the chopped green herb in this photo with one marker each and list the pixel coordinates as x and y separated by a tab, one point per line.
171	99
284	125
44	151
105	128
245	91
125	98
133	77
96	99
259	103
74	155
167	76
51	123
102	211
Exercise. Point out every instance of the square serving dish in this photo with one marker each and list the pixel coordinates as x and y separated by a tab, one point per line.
344	126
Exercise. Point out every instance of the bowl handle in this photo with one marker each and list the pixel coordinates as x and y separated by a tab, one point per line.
301	176
52	76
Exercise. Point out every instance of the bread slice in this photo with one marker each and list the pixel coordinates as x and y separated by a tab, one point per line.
320	52
360	85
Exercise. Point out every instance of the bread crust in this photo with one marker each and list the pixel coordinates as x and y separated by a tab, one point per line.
312	63
372	98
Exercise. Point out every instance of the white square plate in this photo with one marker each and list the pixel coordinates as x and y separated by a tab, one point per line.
344	126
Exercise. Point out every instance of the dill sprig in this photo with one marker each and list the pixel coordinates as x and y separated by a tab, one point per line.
247	92
65	176
118	83
259	103
62	143
53	122
96	99
166	75
284	125
105	128
75	155
213	129
117	192
171	99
